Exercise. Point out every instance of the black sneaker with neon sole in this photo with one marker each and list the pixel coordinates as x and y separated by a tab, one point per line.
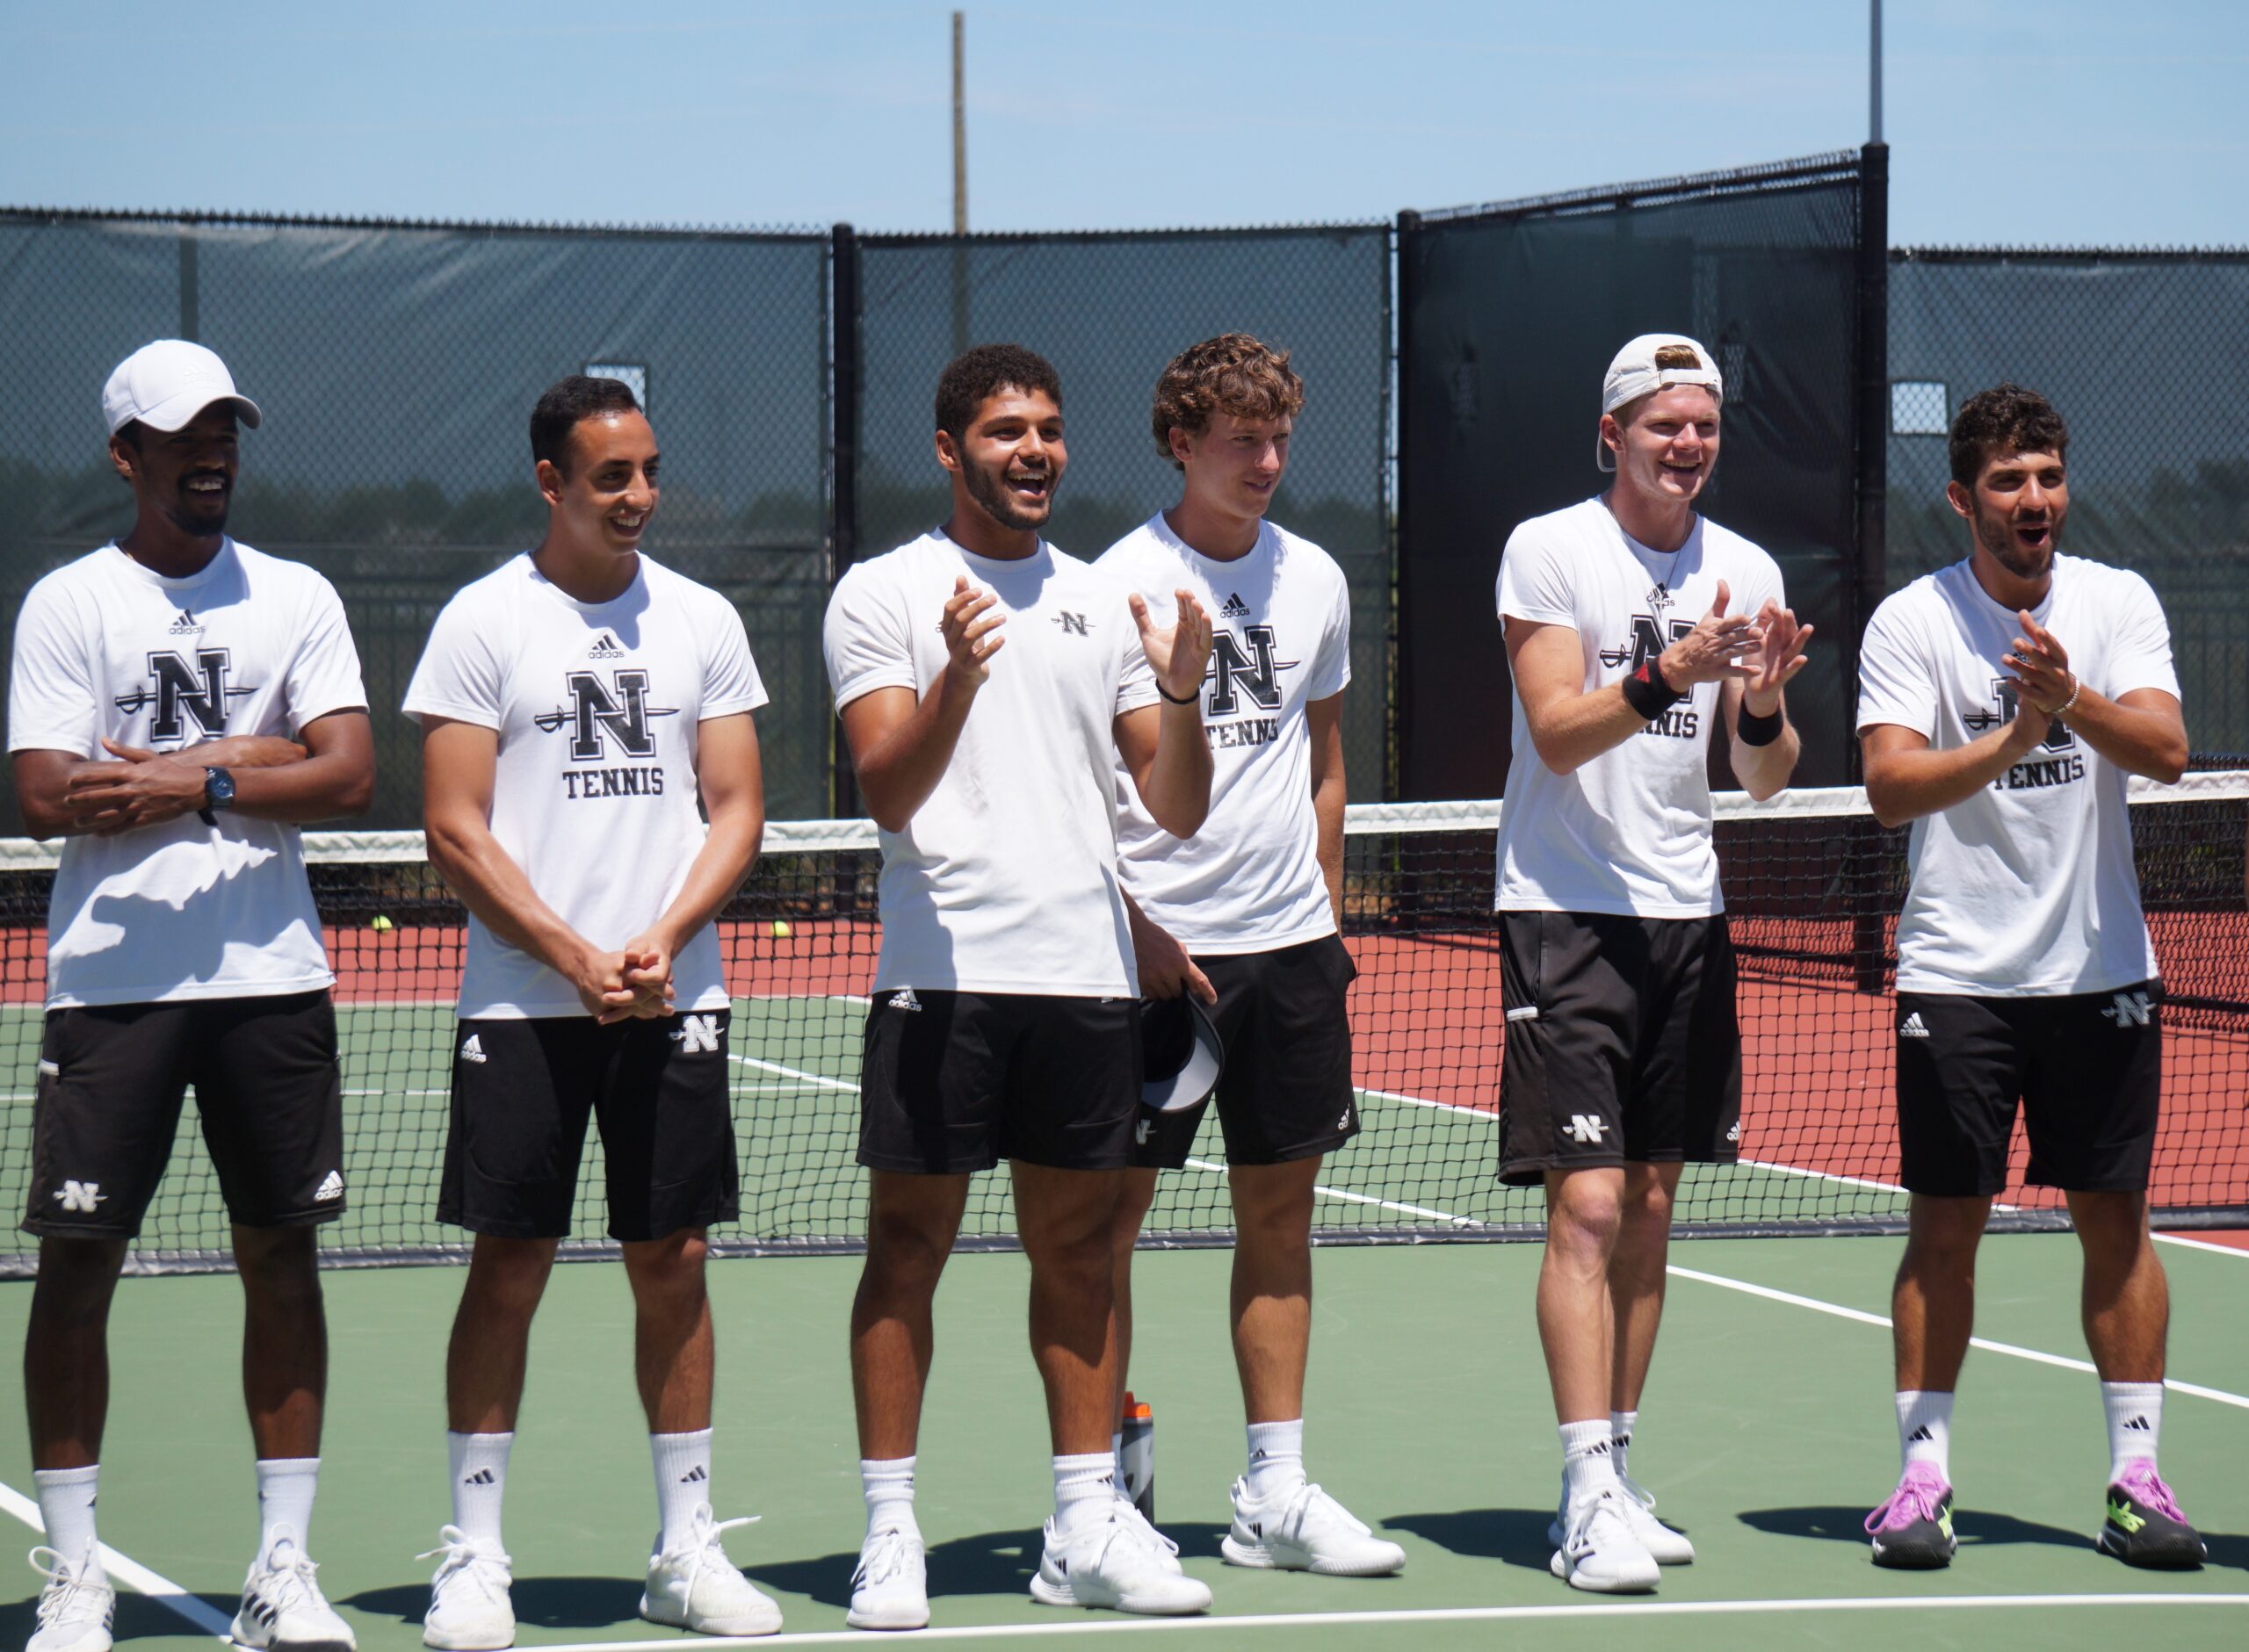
2143	1527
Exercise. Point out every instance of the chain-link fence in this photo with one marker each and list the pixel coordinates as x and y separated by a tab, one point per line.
1109	310
2146	354
1509	316
397	365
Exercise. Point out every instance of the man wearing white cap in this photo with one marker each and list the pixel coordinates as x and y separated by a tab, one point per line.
1632	626
179	705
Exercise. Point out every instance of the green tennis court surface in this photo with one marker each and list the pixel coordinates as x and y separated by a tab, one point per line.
1768	1434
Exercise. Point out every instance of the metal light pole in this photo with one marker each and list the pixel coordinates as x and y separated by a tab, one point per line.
959	182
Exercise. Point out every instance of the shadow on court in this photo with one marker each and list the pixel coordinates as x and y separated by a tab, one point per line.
1516	1536
990	1563
138	1618
545	1603
1983	1526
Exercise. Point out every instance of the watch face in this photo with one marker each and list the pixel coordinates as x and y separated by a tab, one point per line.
218	787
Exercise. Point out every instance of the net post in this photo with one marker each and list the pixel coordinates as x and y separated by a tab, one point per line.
843	467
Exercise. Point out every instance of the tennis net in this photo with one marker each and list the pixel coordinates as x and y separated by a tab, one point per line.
1812	883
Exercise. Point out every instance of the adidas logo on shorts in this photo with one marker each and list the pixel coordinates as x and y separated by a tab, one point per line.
1912	1027
473	1049
331	1187
1733	1131
1235	607
904	999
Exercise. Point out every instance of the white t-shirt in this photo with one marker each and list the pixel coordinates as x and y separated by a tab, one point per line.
2026	889
1249	879
252	644
594	795
1005	879
1629	832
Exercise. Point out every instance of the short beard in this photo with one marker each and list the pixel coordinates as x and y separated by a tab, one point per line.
990	491
200	524
1997	534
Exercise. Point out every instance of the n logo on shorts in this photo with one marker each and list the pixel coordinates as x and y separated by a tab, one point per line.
697	1035
82	1196
1586	1127
2130	1009
181	691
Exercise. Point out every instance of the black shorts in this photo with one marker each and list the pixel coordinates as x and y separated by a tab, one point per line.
111	1080
1622	1046
2087	1069
522	1091
1286	1091
955	1082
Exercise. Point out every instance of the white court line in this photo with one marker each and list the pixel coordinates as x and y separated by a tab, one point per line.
2195	1389
793	1072
156	1587
1431	1614
2202	1244
1361	1199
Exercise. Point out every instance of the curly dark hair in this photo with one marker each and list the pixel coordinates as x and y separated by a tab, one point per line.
2004	419
1233	374
568	403
972	377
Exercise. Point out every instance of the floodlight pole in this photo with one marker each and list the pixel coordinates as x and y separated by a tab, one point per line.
1873	68
959	182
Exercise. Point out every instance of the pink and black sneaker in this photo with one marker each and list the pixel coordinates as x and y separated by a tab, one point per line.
2144	1527
1914	1530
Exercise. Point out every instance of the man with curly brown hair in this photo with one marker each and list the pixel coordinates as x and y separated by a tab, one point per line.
1244	915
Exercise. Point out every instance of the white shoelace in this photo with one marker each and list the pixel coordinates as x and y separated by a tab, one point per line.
1309	1502
289	1576
1578	1533
703	1545
457	1552
67	1598
883	1558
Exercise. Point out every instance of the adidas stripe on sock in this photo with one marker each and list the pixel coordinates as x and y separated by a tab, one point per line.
2135	1413
1085	1487
479	1465
682	1482
1276	1458
888	1485
1588	1461
285	1487
1925	1429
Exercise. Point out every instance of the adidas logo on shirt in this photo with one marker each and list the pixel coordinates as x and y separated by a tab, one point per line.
186	624
606	647
1235	609
904	999
331	1187
473	1049
1913	1027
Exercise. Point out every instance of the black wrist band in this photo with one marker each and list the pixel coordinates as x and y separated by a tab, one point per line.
1647	693
1175	699
1752	730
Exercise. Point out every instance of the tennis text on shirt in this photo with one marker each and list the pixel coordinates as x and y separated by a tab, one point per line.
1005	879
107	649
1629	831
596	706
2028	887
1249	879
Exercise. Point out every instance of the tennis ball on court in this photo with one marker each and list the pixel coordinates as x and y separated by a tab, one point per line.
781	931
380	922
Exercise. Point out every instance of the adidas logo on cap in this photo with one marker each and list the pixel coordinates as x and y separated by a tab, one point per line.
1912	1027
1235	609
606	647
472	1047
331	1187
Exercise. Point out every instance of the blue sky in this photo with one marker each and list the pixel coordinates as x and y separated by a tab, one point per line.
2076	121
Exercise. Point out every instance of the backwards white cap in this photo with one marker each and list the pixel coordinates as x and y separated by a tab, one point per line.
166	384
1632	373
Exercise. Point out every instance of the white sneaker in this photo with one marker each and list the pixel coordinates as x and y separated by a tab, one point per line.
470	1610
696	1587
1167	1551
1112	1560
1667	1544
74	1613
890	1588
1599	1552
1304	1530
282	1607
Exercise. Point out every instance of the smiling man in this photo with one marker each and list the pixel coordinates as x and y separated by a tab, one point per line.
1633	626
989	687
2006	702
1245	913
179	705
575	705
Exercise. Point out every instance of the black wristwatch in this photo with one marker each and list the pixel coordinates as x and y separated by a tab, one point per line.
218	793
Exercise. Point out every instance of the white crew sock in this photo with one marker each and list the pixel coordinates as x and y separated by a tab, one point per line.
1275	1458
480	1463
286	1486
1085	1486
1620	1427
1116	1450
2135	1419
66	1505
683	1483
1925	1429
888	1485
1588	1461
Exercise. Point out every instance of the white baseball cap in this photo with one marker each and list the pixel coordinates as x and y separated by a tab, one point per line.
1632	373
166	384
1181	1056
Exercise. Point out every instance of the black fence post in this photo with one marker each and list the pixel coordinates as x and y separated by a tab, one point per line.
844	467
1401	697
1866	946
191	284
